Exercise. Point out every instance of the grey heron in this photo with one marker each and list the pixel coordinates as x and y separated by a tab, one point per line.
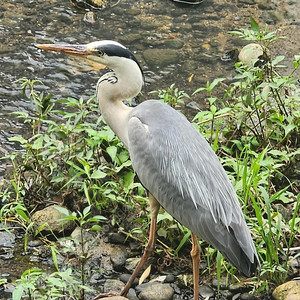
172	160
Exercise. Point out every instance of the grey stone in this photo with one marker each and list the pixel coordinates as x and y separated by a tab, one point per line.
116	238
7	239
205	291
156	291
118	258
125	277
131	263
161	57
113	285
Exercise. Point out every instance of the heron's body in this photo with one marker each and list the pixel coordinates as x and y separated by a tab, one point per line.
202	197
172	159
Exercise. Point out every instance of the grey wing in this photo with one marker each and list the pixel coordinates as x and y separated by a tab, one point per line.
177	165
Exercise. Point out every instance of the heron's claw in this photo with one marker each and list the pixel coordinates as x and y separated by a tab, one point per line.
106	295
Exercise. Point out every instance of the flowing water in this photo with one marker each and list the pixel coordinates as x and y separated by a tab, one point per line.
192	39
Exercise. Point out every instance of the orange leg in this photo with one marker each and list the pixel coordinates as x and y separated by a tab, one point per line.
195	254
154	208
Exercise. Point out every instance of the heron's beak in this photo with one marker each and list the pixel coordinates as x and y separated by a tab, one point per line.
84	53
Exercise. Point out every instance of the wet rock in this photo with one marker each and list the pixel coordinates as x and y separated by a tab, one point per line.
7	239
155	291
223	283
118	258
49	219
239	287
246	296
6	253
205	291
161	57
131	263
287	291
90	17
113	285
132	295
125	277
174	43
116	238
249	53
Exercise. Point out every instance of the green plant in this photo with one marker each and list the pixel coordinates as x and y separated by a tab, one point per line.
254	129
38	285
171	96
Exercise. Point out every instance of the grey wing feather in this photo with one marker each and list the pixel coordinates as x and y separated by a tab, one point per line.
177	165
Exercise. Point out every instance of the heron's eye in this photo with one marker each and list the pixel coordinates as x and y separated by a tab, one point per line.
100	53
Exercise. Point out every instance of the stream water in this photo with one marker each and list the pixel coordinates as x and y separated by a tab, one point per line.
192	39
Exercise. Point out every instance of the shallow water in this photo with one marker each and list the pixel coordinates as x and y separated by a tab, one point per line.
196	34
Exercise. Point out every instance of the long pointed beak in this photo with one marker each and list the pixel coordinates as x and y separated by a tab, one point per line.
85	54
66	48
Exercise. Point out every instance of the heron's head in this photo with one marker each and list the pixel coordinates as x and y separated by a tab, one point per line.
106	53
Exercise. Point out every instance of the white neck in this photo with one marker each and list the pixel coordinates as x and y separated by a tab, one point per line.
125	82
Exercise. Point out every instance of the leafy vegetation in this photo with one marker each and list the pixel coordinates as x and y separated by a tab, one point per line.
70	154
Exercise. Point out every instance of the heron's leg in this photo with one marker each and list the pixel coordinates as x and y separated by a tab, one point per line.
154	208
195	254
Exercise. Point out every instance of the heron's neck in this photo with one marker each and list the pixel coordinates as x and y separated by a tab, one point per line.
112	89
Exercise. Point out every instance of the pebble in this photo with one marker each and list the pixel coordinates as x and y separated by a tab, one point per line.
125	277
7	239
118	258
113	285
116	238
155	291
205	291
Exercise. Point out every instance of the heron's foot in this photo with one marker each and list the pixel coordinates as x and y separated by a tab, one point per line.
106	295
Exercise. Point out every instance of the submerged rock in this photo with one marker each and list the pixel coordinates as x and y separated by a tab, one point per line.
161	57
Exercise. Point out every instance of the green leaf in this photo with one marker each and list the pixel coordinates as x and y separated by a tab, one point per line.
19	139
98	174
254	25
112	151
38	143
96	228
54	257
18	292
63	210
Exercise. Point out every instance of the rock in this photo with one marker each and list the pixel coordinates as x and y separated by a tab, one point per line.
132	295
205	291
223	283
131	263
155	291
125	277
161	57
90	17
116	238
51	217
249	53
113	285
7	239
287	291
118	258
